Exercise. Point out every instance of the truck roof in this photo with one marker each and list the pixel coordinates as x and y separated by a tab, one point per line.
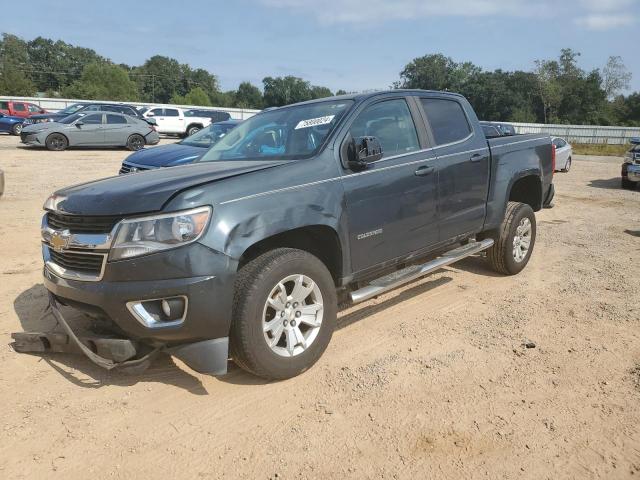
364	96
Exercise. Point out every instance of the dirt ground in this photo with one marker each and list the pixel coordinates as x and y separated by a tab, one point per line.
430	381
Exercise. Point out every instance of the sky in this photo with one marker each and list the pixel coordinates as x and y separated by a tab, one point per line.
353	45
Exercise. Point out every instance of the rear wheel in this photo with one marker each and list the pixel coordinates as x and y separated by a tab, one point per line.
193	129
135	142
515	240
17	129
284	313
56	142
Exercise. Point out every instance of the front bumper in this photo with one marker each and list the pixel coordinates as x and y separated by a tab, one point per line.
30	138
631	172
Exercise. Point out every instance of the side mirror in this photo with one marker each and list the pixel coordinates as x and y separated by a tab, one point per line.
363	150
79	124
152	121
151	114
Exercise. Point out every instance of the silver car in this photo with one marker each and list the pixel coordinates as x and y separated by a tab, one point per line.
564	152
99	129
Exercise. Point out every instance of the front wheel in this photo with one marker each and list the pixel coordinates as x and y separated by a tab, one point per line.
567	167
284	313
627	184
17	129
56	142
515	240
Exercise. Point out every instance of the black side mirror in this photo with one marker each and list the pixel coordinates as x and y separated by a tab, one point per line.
363	150
79	124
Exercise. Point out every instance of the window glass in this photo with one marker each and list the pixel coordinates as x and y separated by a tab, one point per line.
92	119
34	108
285	133
113	119
93	108
170	112
4	105
447	119
391	123
157	112
19	107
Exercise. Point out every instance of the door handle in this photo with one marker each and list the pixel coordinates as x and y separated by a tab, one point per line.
476	157
424	171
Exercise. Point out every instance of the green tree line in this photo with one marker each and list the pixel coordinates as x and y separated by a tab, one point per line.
554	91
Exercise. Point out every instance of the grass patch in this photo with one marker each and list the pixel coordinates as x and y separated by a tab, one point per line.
600	149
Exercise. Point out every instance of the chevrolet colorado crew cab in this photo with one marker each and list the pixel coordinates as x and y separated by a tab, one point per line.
247	253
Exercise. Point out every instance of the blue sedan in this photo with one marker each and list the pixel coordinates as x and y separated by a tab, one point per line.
181	153
12	125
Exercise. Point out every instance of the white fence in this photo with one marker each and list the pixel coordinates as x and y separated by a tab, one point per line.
582	133
55	104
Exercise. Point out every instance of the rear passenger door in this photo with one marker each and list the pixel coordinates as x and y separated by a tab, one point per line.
391	205
174	121
463	165
116	130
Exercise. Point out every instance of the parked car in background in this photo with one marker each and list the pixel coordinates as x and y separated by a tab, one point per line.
186	151
174	121
214	115
86	108
490	131
631	166
93	129
505	129
564	152
20	109
1	182
12	125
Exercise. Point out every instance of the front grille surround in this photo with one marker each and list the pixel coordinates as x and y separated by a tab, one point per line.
82	224
75	265
132	168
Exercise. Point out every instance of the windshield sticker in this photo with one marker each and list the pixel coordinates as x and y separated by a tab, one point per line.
314	122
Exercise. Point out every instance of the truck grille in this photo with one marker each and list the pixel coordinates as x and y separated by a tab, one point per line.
78	224
86	264
131	169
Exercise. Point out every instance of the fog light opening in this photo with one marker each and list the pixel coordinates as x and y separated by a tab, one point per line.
159	312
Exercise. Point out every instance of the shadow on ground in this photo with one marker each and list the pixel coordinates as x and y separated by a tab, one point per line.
610	184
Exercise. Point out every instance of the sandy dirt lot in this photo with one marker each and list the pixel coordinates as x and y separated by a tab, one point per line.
430	381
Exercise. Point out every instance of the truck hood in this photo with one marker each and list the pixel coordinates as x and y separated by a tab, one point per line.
166	155
148	191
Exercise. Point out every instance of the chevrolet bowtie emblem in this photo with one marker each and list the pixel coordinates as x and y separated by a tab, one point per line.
60	240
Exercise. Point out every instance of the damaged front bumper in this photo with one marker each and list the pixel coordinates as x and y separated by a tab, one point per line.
127	355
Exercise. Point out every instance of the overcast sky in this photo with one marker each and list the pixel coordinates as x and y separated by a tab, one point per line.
350	44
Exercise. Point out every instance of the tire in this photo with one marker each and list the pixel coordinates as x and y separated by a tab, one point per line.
259	302
567	166
17	129
193	129
135	142
56	142
503	256
627	184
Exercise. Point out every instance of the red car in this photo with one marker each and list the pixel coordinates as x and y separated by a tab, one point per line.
20	109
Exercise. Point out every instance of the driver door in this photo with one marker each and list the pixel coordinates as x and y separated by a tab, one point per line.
392	204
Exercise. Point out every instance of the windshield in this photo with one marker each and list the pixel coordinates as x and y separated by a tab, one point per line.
285	133
71	109
207	136
71	118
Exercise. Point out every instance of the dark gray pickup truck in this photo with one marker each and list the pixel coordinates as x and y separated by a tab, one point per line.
248	253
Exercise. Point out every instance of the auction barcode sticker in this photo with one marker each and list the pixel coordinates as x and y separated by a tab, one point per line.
314	122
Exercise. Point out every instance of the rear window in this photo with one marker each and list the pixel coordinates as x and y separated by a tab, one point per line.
447	120
170	112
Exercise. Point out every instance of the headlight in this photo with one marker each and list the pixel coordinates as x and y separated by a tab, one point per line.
144	235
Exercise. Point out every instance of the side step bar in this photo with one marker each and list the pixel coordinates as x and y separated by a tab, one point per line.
384	284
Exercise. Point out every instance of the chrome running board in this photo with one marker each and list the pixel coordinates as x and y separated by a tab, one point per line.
397	279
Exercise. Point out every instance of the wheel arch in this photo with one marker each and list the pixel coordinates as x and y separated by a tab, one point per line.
527	189
319	240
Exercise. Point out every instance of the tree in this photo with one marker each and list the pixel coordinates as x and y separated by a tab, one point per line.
285	90
547	73
14	67
195	96
616	77
248	96
103	81
320	92
159	79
